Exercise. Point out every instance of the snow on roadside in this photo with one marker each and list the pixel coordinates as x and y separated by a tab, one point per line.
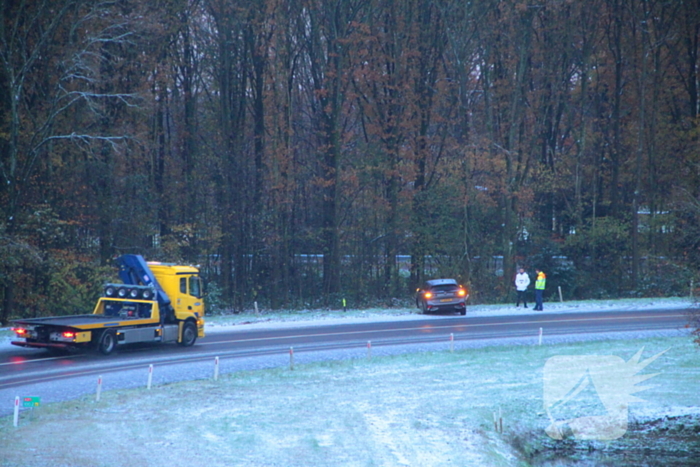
401	410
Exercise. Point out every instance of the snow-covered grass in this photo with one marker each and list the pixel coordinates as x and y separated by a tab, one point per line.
427	409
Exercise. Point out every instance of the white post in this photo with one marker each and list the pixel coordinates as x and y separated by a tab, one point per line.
452	342
291	358
691	289
561	298
216	368
99	388
540	342
500	421
150	375
369	349
256	307
16	419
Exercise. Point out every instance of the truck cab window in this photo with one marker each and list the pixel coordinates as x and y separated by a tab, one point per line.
183	285
195	286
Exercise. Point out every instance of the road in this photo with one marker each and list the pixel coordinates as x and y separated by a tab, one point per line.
62	378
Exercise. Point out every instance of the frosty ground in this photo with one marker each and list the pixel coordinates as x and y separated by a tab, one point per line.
420	409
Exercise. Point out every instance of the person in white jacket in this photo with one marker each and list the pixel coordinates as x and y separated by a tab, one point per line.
522	281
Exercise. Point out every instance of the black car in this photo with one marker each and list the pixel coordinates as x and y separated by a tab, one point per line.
442	295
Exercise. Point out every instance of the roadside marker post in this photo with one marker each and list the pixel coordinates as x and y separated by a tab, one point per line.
561	297
452	342
345	306
291	358
16	417
99	388
498	421
150	375
216	368
540	340
369	349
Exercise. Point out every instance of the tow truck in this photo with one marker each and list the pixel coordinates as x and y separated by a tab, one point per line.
139	310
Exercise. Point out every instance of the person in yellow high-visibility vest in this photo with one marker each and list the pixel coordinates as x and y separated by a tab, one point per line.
540	284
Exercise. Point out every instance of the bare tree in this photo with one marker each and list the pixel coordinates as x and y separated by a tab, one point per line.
50	65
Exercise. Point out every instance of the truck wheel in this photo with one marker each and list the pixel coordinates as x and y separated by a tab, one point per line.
107	343
189	334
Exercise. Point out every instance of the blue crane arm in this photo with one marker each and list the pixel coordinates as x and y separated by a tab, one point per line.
133	270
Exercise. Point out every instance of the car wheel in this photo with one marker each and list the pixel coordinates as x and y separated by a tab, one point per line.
463	312
108	342
424	308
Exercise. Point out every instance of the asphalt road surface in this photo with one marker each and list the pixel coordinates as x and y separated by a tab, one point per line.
31	372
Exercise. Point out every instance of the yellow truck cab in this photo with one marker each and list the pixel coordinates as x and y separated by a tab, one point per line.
185	289
158	302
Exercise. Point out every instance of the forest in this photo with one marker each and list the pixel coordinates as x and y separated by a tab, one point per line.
302	152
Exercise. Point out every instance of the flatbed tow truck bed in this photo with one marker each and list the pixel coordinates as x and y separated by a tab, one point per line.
85	321
128	321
